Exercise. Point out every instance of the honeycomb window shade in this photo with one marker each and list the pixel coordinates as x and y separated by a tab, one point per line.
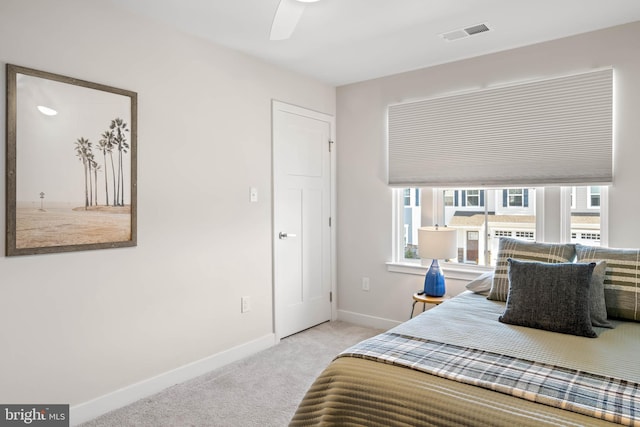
551	132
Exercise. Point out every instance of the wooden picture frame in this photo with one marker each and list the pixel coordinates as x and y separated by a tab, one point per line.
71	164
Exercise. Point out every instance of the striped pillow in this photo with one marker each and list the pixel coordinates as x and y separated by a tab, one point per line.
529	251
622	278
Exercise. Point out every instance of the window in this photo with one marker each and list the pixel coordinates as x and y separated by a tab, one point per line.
504	213
449	197
594	197
585	215
411	221
526	235
464	198
590	236
411	197
473	198
515	198
480	229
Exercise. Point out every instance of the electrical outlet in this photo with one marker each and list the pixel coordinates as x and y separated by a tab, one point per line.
365	284
245	304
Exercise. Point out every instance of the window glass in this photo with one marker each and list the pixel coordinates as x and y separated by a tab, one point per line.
449	197
473	197
585	216
482	217
594	197
411	217
515	197
481	226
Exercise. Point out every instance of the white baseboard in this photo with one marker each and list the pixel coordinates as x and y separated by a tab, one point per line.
366	320
117	399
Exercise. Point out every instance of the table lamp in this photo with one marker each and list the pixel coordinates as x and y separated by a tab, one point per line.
436	243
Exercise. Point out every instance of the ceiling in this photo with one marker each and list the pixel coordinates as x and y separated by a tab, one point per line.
345	41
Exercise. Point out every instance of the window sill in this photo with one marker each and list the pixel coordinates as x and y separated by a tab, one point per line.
452	271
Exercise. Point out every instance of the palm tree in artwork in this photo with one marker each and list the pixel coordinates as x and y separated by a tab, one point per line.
83	150
106	146
96	169
90	165
119	129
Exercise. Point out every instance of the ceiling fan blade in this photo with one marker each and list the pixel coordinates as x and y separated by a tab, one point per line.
286	18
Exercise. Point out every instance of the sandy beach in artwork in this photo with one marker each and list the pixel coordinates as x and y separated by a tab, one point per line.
59	226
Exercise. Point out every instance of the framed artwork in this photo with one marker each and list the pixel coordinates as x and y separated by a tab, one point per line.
71	164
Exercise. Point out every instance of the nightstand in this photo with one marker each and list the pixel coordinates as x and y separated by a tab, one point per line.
426	299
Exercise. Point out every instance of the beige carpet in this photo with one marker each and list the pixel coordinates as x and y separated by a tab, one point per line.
261	390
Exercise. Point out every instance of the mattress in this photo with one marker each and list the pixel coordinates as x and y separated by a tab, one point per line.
354	390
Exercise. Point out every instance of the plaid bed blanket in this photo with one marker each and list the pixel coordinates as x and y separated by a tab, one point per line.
597	396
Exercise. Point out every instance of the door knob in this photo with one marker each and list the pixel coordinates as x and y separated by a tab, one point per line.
282	235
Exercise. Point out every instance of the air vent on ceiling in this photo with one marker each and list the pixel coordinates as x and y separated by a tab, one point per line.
465	32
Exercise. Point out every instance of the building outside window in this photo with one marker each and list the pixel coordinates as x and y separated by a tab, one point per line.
411	222
482	217
586	216
505	213
594	197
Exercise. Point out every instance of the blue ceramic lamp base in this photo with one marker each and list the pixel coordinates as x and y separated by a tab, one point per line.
434	281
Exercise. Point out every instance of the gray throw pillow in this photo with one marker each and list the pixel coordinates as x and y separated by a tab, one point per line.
597	304
523	250
553	297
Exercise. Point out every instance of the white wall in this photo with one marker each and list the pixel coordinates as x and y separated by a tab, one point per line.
365	202
76	326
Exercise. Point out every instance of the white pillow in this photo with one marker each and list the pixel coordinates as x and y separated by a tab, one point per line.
481	284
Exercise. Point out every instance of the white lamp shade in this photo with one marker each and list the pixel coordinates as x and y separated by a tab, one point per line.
437	242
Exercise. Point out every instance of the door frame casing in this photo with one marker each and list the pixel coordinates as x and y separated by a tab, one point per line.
283	106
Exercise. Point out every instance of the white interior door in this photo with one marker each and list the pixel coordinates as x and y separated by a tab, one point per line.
302	212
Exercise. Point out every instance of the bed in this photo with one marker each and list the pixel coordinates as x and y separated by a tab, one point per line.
460	364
